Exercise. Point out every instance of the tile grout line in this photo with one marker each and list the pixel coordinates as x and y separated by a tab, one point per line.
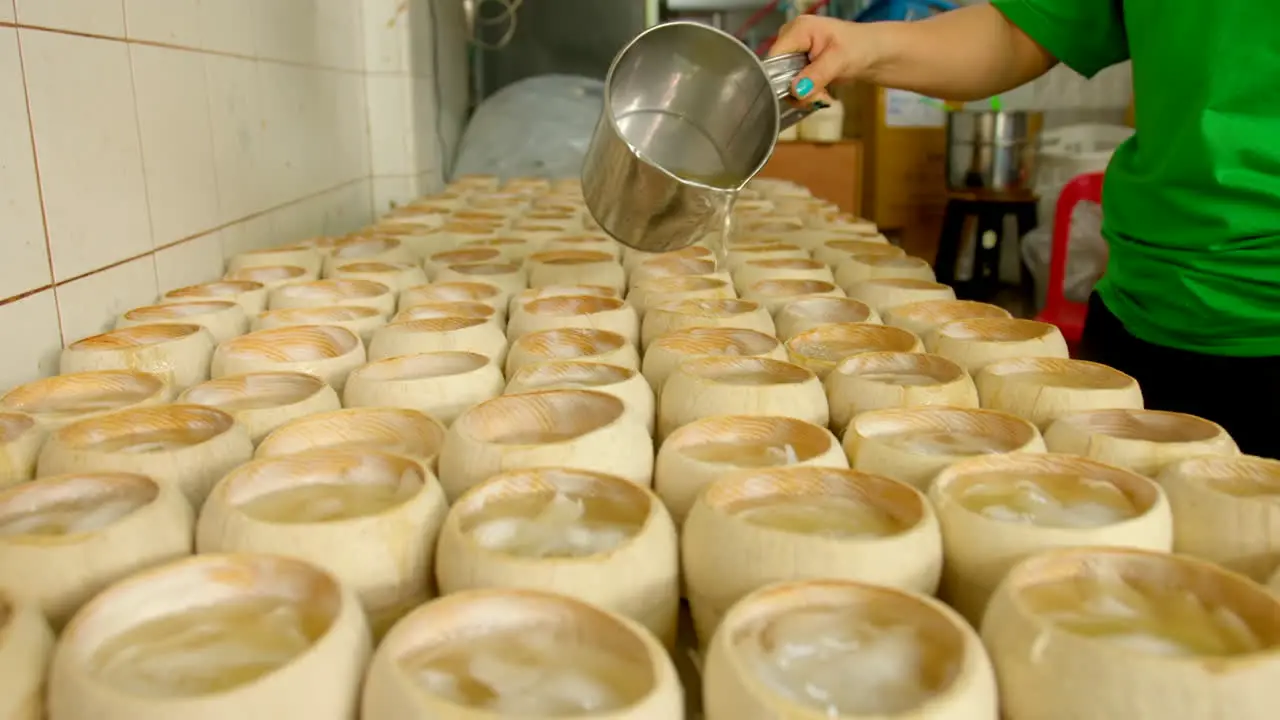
368	110
182	241
213	155
28	293
183	48
368	118
142	150
35	164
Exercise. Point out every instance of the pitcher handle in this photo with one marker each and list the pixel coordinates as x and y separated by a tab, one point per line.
781	71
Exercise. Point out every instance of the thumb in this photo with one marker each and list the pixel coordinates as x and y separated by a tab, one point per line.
812	82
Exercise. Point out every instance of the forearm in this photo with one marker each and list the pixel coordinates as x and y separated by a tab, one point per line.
965	54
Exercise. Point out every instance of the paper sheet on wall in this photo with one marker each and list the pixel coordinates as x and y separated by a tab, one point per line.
908	109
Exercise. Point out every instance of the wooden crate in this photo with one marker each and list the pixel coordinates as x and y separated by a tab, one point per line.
831	171
905	187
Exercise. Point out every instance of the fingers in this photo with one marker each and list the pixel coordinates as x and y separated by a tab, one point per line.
811	83
795	36
817	38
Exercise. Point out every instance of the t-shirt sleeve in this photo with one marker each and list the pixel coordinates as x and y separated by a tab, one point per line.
1085	35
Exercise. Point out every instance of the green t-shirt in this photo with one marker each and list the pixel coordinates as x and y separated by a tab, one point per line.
1192	202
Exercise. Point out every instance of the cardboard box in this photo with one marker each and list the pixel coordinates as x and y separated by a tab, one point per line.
904	167
831	171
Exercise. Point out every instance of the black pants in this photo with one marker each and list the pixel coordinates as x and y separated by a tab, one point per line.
1242	394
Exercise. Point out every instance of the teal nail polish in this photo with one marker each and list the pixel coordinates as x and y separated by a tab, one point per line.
804	87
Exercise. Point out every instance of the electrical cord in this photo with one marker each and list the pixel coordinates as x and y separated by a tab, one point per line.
508	15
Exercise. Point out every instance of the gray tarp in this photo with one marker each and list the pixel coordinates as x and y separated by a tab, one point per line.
539	127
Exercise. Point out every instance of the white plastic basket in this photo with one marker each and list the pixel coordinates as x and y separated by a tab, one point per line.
1065	153
1077	149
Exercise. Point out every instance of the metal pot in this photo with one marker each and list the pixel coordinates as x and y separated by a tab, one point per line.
995	151
690	115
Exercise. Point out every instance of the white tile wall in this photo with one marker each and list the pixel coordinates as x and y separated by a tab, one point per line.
339	35
391	111
415	108
235	112
174	22
31	336
196	261
26	258
252	233
228	25
171	134
91	304
177	142
386	35
390	192
96	17
86	130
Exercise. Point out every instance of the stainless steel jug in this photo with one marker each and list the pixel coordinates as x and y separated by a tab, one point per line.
991	150
690	115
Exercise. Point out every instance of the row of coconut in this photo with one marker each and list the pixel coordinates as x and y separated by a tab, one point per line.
746	531
877	544
162	439
714	442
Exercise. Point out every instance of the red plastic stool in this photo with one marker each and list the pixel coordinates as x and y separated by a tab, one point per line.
1067	315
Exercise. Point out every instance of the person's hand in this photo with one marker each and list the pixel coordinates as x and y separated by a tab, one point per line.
837	51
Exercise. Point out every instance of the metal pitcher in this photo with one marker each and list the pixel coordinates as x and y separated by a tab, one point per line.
993	150
690	115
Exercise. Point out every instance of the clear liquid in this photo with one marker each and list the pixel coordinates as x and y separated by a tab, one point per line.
1070	501
150	442
252	402
1156	619
69	518
905	379
948	443
72	406
567	305
842	662
175	310
832	517
742	454
209	649
537	437
750	377
553	527
728	182
252	392
328	502
720	246
833	350
285	349
528	673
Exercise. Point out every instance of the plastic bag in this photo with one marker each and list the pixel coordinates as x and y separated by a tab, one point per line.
537	127
1086	253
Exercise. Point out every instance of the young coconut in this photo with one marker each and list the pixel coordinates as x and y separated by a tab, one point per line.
1110	632
755	527
997	509
595	537
472	655
816	649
